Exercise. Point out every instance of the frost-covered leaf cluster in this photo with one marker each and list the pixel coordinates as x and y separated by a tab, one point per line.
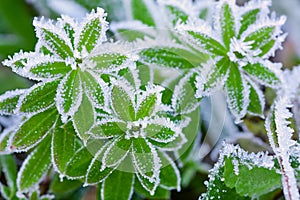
124	115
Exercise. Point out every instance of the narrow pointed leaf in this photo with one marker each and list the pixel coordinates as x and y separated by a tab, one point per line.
4	140
208	43
237	93
108	61
33	130
159	193
64	146
54	40
169	57
260	37
147	106
39	98
160	133
247	19
256	97
263	74
9	168
35	166
145	158
116	152
50	69
227	23
93	88
146	184
91	31
69	95
84	118
122	104
141	12
118	186
177	14
108	129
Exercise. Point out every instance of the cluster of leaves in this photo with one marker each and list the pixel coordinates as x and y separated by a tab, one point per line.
117	114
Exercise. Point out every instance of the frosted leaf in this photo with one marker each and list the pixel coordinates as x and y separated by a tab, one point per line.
4	140
257	100
91	31
69	95
280	136
211	77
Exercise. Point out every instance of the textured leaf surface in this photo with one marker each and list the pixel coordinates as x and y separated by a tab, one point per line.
35	166
141	12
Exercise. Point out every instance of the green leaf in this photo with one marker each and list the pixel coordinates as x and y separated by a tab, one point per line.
207	43
263	74
146	107
94	173
108	61
4	140
177	14
260	37
118	186
132	35
53	41
227	24
267	47
169	174
39	98
141	12
147	185
9	168
237	93
144	158
64	146
256	105
122	104
79	163
184	100
218	76
9	102
251	182
116	152
168	57
84	118
91	32
247	19
35	166
170	146
50	69
93	87
34	130
160	133
108	129
69	95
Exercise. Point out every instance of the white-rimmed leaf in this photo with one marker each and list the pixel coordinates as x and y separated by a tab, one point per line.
176	14
227	23
108	60
92	31
69	95
145	159
174	145
4	140
94	173
53	38
257	100
64	146
263	73
93	87
122	103
108	129
237	93
35	166
247	19
50	68
118	186
169	173
40	97
9	168
149	186
147	107
33	130
9	101
116	152
160	133
169	57
141	12
84	118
